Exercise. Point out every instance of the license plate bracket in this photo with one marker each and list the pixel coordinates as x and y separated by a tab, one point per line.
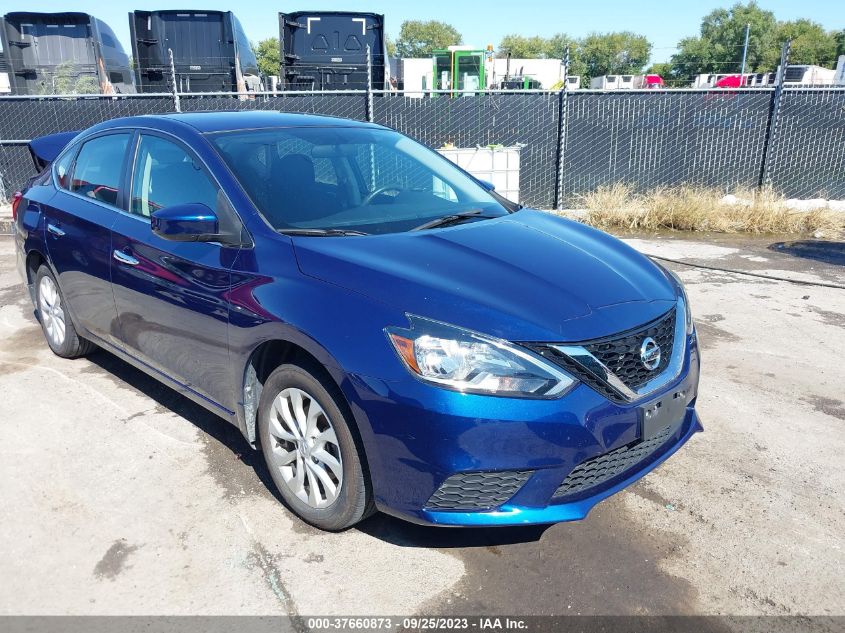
667	411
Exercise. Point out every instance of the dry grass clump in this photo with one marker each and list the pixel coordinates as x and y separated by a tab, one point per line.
687	208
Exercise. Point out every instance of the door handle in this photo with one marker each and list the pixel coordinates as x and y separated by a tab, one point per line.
124	258
54	230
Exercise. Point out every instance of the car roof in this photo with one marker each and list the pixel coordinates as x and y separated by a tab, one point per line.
207	122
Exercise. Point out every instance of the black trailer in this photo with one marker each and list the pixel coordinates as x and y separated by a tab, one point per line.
211	52
63	53
5	88
327	50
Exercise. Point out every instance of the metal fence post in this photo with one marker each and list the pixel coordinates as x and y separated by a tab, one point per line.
369	84
176	103
774	115
562	110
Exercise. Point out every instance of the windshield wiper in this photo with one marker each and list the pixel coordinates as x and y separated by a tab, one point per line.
321	232
454	218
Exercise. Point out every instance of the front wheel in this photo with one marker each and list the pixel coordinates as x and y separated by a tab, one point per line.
309	448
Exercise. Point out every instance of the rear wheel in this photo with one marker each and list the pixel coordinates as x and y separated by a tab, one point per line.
310	450
55	321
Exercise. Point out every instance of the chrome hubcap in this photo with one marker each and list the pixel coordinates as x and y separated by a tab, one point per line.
51	311
304	448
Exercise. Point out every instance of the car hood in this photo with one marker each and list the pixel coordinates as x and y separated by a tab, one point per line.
528	276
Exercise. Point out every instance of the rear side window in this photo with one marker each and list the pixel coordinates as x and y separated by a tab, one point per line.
98	167
63	169
166	175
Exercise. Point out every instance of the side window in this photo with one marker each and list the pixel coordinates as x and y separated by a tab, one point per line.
62	169
166	175
98	167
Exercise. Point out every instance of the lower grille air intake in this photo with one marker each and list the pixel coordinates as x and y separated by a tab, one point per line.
603	468
477	491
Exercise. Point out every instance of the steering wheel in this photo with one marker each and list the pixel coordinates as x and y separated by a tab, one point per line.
381	190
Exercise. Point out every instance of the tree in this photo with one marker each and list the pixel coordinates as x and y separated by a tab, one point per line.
556	47
66	80
419	39
840	43
269	57
811	44
521	47
391	46
664	69
597	54
718	48
622	53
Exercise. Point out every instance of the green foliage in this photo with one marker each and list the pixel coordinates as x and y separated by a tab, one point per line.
718	48
840	43
419	38
622	53
391	46
87	85
66	81
521	47
268	55
597	54
664	69
811	44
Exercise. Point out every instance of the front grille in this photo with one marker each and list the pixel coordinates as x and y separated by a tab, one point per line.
603	468
620	353
477	491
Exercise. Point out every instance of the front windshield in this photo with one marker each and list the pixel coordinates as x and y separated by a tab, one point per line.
349	179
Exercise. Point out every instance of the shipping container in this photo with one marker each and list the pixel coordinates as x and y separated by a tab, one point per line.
63	53
327	50
211	52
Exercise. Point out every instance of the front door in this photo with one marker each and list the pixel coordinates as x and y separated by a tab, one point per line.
171	296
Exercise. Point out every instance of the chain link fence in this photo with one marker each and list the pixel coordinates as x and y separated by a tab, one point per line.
808	145
528	120
656	139
725	139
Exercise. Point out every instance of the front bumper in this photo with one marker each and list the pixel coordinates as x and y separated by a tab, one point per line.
417	436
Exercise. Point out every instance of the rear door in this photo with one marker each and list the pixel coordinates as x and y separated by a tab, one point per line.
172	297
78	224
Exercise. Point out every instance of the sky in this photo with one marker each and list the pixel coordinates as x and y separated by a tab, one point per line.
480	22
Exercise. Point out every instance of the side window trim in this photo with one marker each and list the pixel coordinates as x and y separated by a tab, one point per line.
128	172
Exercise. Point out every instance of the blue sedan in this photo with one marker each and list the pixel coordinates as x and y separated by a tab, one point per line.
389	331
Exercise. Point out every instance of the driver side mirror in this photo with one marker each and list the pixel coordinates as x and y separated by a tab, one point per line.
192	222
489	186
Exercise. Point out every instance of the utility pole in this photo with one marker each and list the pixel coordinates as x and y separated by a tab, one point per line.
745	50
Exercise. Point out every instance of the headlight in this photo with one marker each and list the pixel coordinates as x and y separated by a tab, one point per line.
683	292
467	361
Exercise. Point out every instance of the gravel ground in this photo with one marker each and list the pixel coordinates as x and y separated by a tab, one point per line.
122	497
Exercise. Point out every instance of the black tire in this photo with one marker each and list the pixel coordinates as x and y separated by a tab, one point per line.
71	344
354	498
